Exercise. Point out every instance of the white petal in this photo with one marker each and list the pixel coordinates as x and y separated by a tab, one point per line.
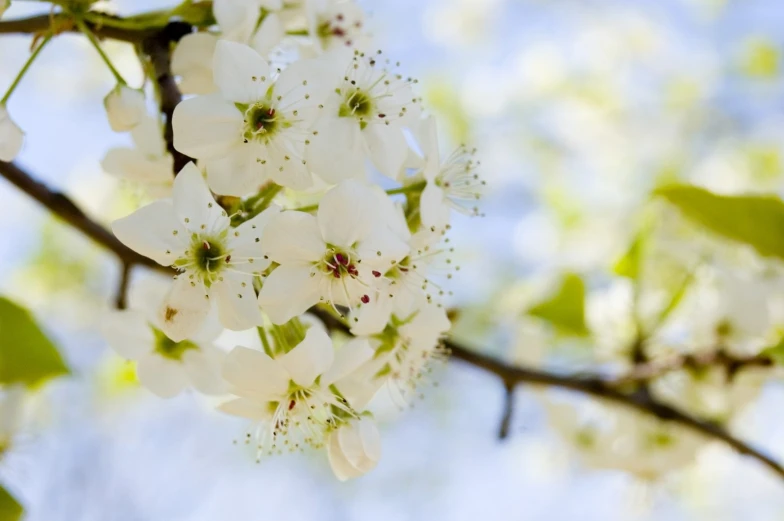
241	74
291	173
347	359
253	374
238	172
246	241
203	368
246	408
128	333
360	444
341	467
427	137
269	34
207	126
150	231
184	308
293	237
165	378
311	78
133	165
125	108
238	308
310	358
236	18
148	137
192	61
388	148
371	441
381	247
11	137
432	208
337	152
194	204
346	213
372	317
288	292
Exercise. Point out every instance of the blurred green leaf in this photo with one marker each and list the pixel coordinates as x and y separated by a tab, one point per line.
630	264
756	220
10	509
776	352
565	310
27	356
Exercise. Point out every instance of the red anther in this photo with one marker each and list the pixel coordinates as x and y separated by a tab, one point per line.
352	270
382	115
341	259
259	125
292	403
205	245
336	273
365	299
339	32
271	112
339	17
228	259
401	268
376	274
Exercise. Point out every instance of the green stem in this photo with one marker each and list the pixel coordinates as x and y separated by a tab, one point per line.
414	187
22	72
93	40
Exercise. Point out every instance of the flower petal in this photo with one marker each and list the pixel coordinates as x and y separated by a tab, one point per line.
289	291
238	172
346	213
347	360
165	378
341	467
184	308
388	148
128	333
206	126
192	61
245	408
153	231
253	374
194	204
338	151
241	74
268	35
432	208
11	137
203	368
310	358
238	308
293	237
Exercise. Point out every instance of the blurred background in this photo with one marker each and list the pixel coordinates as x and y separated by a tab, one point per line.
578	108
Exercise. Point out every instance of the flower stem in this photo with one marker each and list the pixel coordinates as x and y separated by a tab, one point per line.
22	72
93	40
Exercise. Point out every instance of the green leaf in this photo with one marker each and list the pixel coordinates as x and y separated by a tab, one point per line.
26	355
755	220
565	310
629	265
776	352
10	509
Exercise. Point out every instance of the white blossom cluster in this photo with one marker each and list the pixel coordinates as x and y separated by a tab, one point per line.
245	254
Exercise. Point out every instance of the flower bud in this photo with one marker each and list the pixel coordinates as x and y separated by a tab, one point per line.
125	108
354	448
11	137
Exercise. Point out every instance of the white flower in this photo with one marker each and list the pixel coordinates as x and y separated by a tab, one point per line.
363	117
148	163
354	448
192	61
11	402
291	394
335	23
164	366
453	184
336	257
257	128
192	233
125	108
239	22
11	136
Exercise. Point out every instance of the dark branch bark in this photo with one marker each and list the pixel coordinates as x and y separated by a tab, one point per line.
506	417
158	49
63	23
121	299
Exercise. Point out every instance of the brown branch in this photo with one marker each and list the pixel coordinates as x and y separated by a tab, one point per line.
121	299
63	23
158	48
506	417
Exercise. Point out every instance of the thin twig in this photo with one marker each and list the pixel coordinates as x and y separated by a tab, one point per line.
506	417
121	299
64	23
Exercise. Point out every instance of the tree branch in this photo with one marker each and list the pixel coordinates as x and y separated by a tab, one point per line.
158	48
63	23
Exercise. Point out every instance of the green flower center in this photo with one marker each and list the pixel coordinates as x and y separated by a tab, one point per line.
339	264
207	257
262	121
168	348
357	104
